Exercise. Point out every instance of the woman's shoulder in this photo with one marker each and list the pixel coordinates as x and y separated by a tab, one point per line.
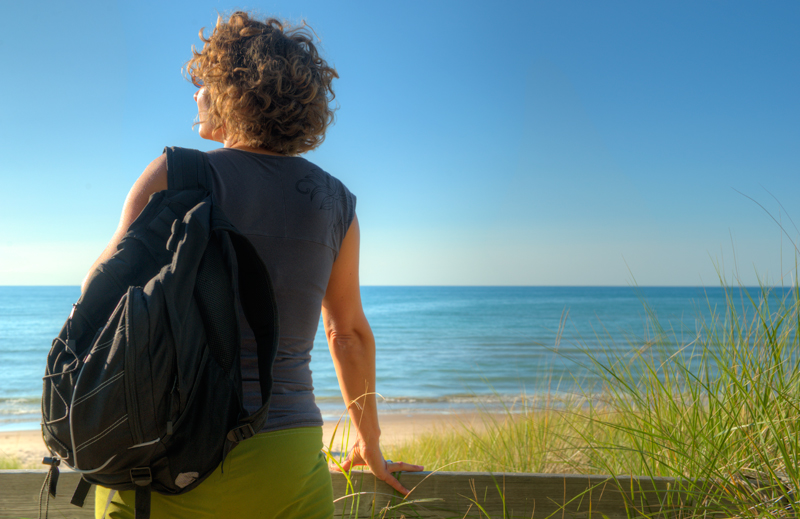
300	170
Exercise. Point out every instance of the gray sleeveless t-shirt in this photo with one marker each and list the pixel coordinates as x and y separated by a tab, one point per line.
296	216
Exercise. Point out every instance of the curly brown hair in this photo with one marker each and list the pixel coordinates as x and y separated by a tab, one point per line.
268	85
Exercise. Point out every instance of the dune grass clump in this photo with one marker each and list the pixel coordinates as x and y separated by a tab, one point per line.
718	409
9	463
721	412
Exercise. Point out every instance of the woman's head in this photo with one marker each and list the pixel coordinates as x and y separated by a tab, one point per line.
266	83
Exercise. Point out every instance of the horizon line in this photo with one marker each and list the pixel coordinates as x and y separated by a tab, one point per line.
496	286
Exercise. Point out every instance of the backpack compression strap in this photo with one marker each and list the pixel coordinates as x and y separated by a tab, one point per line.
187	169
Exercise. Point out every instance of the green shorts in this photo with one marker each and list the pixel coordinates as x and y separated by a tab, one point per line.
275	474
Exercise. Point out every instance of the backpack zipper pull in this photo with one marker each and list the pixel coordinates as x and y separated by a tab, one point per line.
49	485
52	474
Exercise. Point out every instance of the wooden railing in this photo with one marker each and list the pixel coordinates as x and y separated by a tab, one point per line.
440	494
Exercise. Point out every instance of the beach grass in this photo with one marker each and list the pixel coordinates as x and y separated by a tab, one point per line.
717	408
10	463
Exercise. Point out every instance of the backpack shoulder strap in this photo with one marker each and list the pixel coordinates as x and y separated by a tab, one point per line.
187	169
257	297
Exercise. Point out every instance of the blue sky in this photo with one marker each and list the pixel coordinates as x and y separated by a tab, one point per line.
513	143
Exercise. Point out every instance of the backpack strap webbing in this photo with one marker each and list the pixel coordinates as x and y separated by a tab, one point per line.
142	502
142	478
257	296
187	169
81	491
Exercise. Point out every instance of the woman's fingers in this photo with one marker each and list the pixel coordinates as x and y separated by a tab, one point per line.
390	480
344	467
353	460
396	466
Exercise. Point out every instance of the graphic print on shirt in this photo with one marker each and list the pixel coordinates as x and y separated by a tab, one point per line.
332	197
317	182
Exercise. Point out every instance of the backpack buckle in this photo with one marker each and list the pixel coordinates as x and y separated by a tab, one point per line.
141	476
241	433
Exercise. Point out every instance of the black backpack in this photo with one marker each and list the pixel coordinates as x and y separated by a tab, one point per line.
143	387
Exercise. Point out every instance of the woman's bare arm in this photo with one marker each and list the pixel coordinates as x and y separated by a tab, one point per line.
352	347
153	179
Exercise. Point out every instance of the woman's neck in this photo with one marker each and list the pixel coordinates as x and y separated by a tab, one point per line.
243	147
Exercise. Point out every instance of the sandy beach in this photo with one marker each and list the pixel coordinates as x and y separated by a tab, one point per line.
29	449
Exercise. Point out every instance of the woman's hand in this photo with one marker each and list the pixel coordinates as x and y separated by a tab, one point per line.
371	456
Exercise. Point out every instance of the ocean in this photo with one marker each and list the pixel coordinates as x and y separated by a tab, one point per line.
439	349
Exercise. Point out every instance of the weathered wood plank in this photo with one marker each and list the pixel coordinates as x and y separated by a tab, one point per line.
464	494
441	495
19	495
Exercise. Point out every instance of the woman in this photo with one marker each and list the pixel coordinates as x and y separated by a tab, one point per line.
264	93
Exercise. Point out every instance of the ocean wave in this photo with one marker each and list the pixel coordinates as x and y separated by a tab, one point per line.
19	406
22	399
460	398
19	414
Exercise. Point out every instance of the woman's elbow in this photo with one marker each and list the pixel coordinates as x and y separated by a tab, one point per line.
350	344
